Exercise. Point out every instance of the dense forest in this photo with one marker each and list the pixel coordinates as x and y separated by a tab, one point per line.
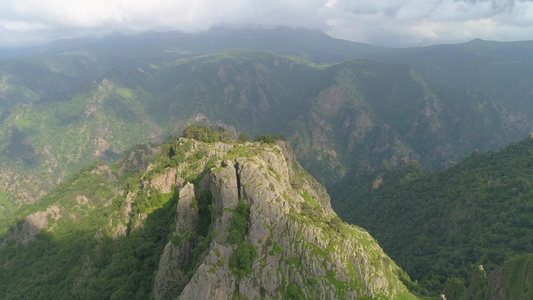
439	225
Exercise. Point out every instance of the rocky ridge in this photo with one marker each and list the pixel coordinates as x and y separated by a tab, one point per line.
201	221
301	247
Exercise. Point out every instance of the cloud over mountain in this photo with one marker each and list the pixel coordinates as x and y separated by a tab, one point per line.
382	22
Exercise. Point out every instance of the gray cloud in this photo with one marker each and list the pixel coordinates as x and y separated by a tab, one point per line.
382	22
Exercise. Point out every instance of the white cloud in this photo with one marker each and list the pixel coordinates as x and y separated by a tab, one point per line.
384	22
22	27
413	22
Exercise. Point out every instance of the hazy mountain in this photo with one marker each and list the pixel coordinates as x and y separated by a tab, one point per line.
501	70
340	118
368	113
163	46
59	67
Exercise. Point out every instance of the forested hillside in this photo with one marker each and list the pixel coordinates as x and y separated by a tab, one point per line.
502	71
340	118
438	225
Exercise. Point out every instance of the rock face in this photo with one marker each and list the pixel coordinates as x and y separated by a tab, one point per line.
269	233
170	279
201	221
33	224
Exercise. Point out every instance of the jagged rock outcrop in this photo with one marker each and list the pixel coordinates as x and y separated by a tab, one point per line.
33	224
224	187
171	277
201	221
292	243
165	181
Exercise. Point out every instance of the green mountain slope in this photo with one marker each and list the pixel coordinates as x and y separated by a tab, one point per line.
50	78
340	118
356	125
502	71
508	281
203	220
52	139
368	113
436	225
511	280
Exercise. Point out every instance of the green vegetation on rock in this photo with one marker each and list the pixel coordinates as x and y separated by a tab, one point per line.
202	224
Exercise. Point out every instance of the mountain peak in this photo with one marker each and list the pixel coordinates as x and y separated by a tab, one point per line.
216	220
272	233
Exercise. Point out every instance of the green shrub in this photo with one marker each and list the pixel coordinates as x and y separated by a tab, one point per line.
239	223
242	259
203	133
264	138
175	240
243	138
293	292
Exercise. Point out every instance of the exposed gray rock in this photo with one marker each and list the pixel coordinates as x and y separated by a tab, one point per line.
213	279
81	199
120	230
165	181
33	224
104	170
125	215
224	187
223	147
302	246
170	278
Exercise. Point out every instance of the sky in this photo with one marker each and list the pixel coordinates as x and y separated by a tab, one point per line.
392	23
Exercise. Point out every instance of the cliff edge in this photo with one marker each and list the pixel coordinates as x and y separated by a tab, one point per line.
268	232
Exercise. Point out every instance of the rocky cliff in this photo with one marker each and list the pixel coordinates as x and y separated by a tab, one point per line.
201	221
270	233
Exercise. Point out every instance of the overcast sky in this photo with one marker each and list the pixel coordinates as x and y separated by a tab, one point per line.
396	23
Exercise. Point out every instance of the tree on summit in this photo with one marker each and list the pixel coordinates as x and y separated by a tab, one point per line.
207	134
268	139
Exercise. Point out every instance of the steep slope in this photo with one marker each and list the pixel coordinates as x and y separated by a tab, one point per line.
238	220
512	279
367	113
52	139
436	225
341	118
501	70
47	141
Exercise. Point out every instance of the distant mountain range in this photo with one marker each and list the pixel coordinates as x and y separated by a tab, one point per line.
164	46
340	118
